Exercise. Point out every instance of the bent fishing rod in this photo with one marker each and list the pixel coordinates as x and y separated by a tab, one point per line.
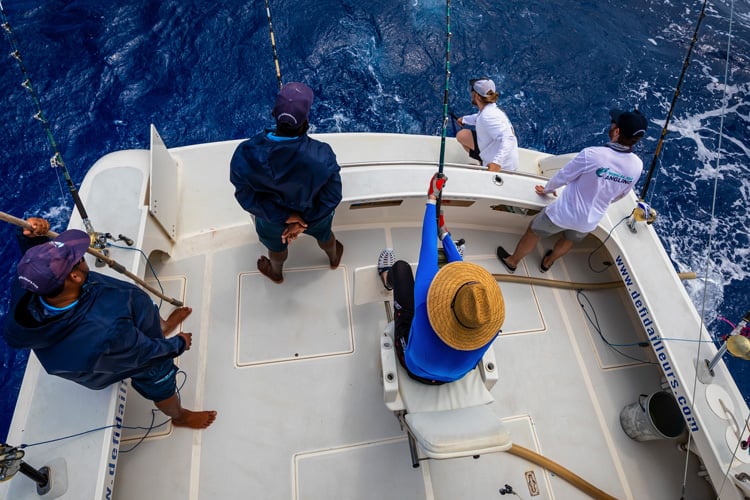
101	256
448	36
664	130
99	240
56	161
273	45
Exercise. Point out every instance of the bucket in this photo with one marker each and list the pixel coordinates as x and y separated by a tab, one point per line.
653	417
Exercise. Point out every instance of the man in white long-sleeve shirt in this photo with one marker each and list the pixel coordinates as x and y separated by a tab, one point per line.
493	140
595	178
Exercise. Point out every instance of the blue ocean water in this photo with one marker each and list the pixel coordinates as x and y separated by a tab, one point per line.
203	71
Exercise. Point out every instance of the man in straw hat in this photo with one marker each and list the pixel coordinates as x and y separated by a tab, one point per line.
448	317
93	329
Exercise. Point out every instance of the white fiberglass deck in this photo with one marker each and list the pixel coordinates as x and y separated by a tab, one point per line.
293	371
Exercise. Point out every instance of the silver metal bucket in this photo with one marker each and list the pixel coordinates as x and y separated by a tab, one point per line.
653	417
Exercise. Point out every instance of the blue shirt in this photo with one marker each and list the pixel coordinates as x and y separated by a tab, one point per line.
426	355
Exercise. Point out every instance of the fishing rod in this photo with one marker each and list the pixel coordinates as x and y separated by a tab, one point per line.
99	255
273	44
98	240
652	168
448	36
56	161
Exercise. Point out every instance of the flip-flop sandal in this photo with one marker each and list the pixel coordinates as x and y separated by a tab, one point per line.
542	267
502	254
386	259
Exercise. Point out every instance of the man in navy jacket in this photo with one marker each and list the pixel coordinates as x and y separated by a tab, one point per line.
93	329
289	182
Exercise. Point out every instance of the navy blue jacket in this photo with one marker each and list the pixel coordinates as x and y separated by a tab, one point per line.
272	179
112	333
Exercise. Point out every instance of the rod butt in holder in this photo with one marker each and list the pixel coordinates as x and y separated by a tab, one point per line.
641	213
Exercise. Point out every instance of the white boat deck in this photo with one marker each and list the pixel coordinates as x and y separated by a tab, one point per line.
294	369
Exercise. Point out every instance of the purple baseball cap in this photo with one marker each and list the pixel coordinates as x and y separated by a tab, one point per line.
631	123
293	104
44	268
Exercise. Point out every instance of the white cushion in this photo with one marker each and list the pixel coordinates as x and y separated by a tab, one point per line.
419	397
461	432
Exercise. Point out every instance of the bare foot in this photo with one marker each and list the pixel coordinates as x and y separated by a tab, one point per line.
195	419
175	318
264	266
339	253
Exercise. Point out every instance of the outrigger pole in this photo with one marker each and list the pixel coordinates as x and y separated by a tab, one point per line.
273	44
672	105
448	36
99	255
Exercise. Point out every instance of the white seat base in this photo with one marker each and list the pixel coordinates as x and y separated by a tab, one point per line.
449	420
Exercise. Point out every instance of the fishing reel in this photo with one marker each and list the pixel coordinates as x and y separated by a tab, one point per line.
641	213
736	343
100	241
10	461
49	484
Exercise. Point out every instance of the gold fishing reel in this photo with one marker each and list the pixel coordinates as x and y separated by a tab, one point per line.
641	213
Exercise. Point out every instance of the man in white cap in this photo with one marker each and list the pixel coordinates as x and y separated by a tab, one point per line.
493	140
289	182
597	177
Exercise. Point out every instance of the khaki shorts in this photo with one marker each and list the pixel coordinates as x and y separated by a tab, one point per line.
544	227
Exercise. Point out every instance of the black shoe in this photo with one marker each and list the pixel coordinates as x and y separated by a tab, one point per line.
502	255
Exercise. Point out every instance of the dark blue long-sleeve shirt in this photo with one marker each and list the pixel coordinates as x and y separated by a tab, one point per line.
275	176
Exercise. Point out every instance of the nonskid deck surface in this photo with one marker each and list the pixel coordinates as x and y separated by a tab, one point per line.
293	370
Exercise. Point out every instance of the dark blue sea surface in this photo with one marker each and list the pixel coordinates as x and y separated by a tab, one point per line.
203	71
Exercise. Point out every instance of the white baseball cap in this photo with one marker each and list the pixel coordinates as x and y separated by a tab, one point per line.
482	86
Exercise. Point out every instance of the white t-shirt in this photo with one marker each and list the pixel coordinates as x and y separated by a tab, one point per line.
594	179
496	138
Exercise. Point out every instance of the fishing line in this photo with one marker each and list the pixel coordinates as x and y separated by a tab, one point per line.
148	263
153	416
273	44
713	219
56	161
448	36
591	254
112	426
595	324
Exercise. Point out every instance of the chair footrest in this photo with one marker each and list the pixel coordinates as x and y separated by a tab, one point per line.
459	432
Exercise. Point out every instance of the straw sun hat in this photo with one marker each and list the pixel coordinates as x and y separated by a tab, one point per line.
465	306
